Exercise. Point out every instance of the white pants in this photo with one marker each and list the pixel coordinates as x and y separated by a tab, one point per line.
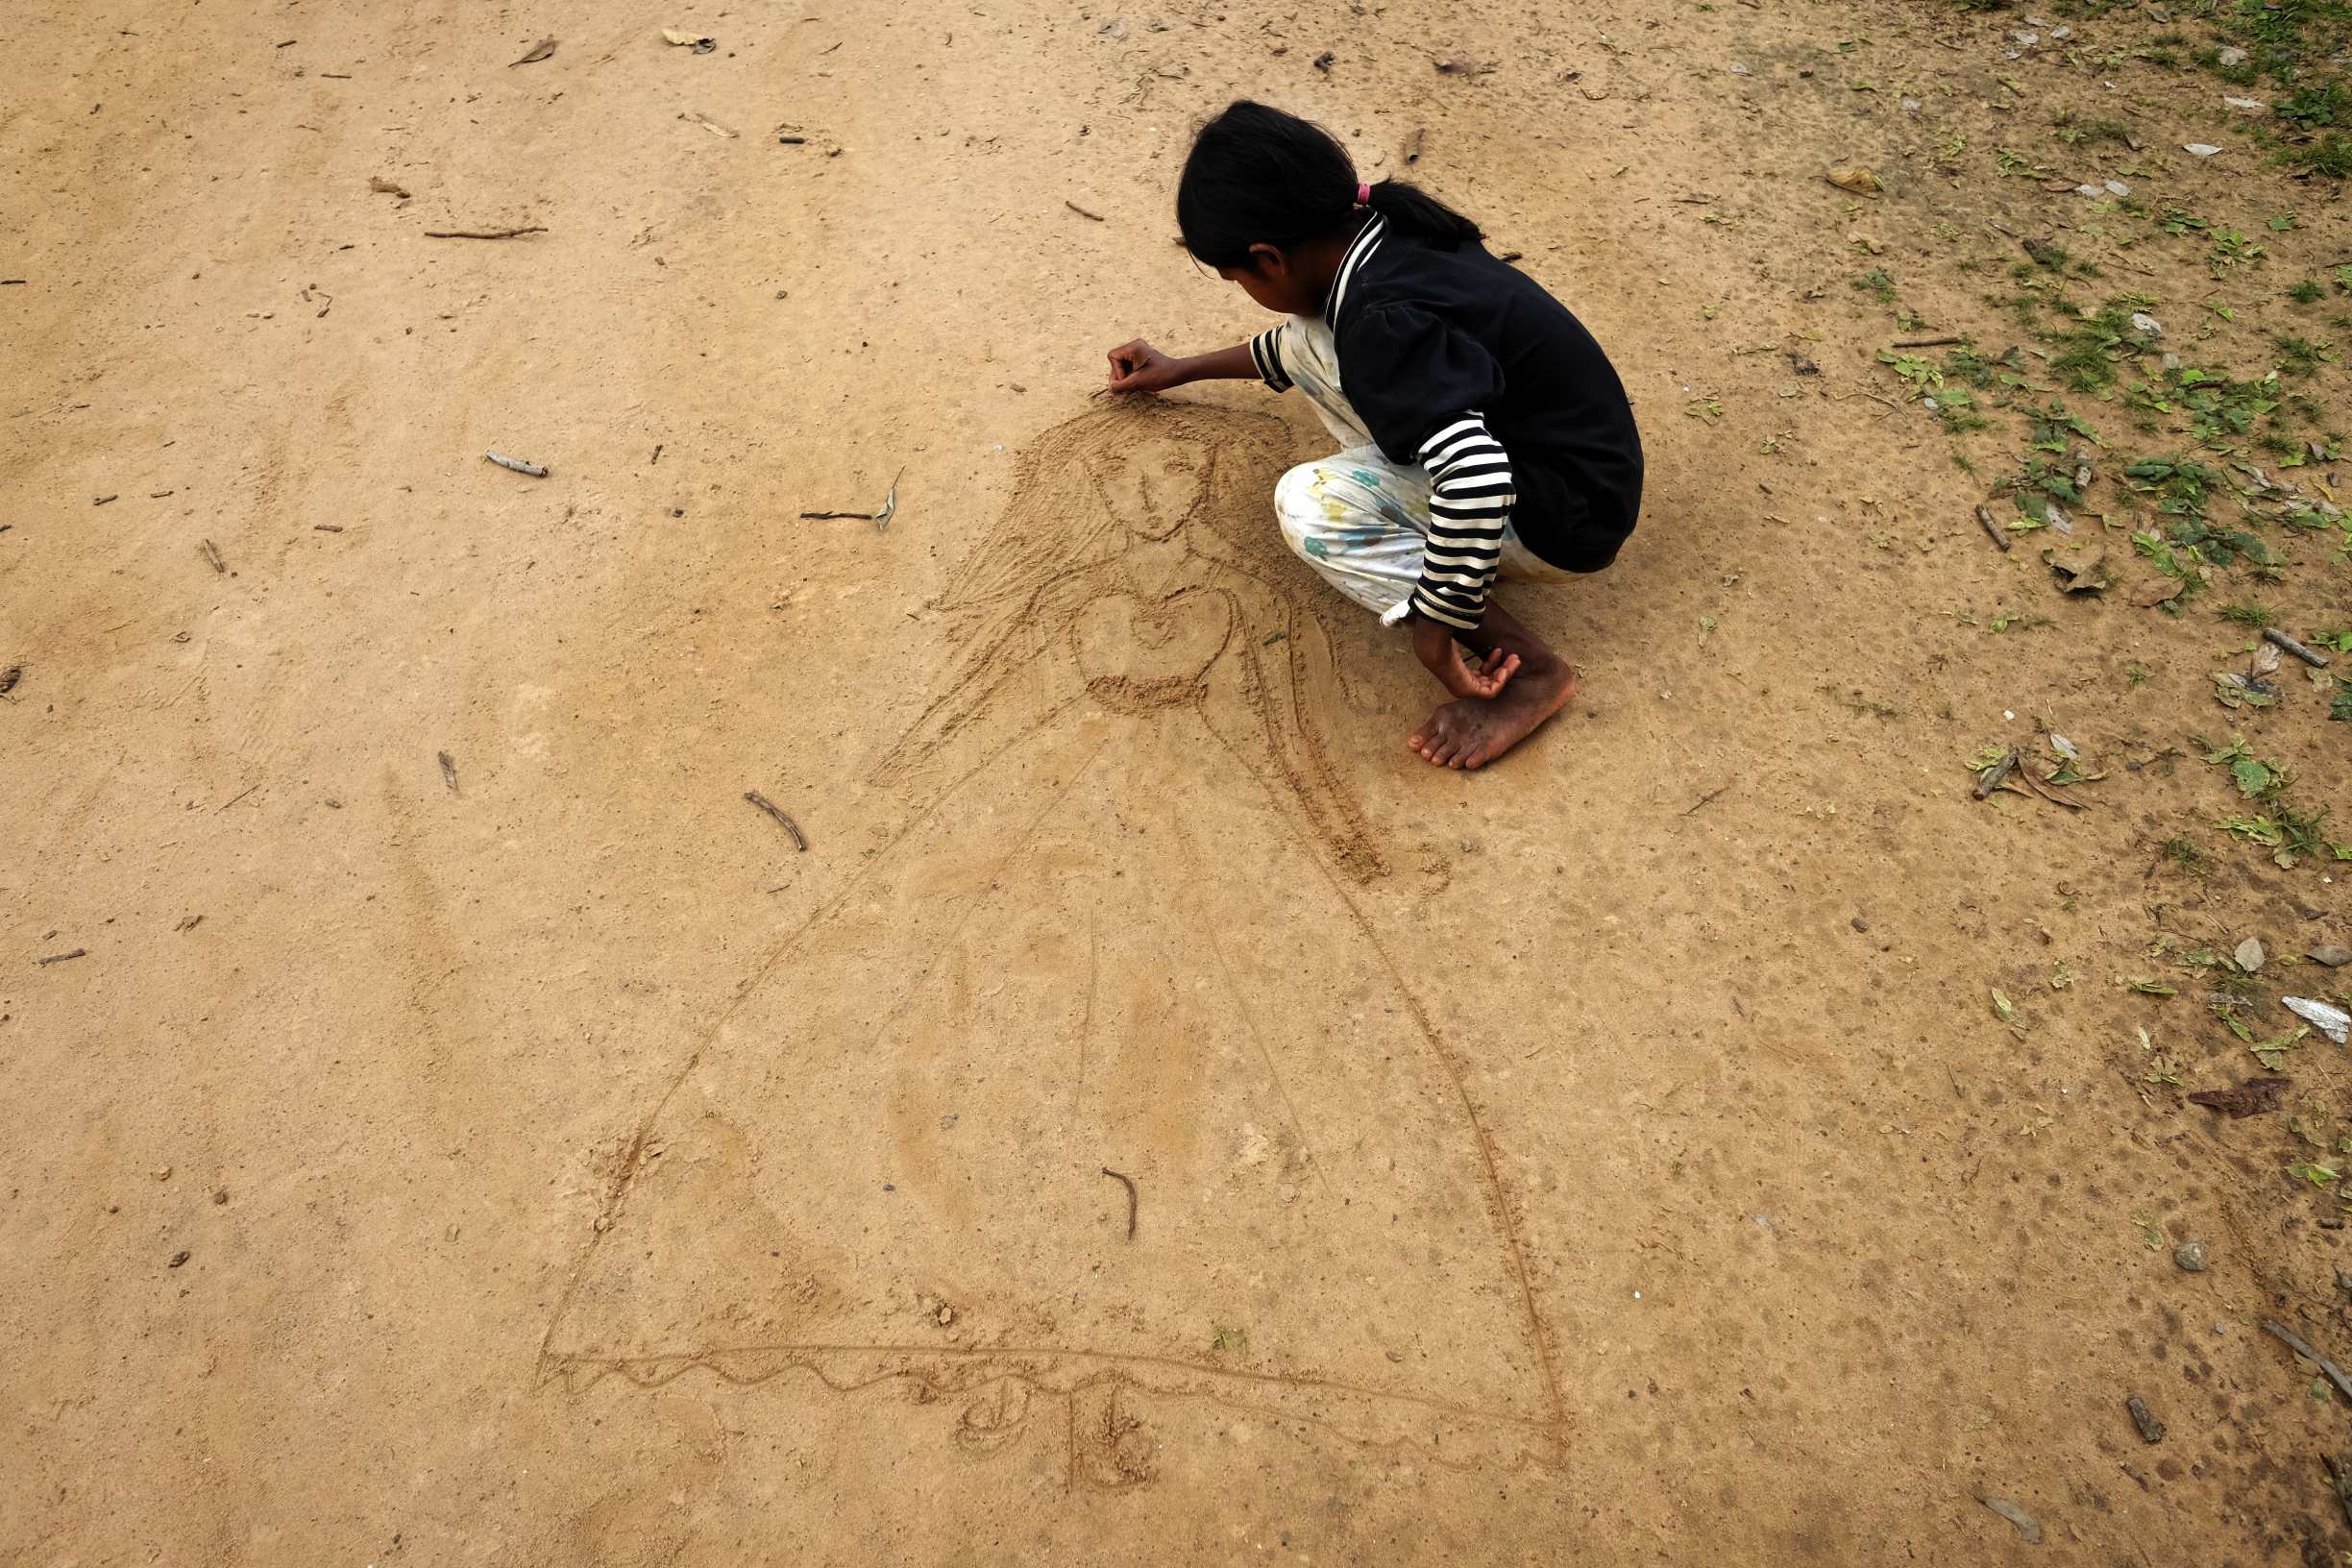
1356	518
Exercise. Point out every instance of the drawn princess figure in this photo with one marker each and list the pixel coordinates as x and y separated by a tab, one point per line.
1117	945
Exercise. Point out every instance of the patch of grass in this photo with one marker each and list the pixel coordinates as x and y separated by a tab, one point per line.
2311	107
2184	857
1878	285
2306	291
2076	131
2248	614
2331	157
2299	355
2086	351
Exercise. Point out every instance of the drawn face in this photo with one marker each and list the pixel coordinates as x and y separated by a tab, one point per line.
1153	484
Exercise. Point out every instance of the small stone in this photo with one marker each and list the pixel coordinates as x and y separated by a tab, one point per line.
2200	149
2117	187
2333	956
220	1195
163	1173
946	1315
179	1257
2152	1430
2343	1282
1739	70
2190	1255
2248	104
603	1223
948	1121
1859	923
2250	954
1288	1193
2232	54
2145	324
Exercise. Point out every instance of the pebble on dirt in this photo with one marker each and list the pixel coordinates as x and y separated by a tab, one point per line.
2152	1430
2250	954
2333	956
2190	1255
179	1257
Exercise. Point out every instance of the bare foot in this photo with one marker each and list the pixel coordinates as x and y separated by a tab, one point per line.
1473	731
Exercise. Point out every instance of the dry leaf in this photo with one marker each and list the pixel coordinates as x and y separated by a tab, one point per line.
1858	180
2148	594
2084	574
699	43
538	52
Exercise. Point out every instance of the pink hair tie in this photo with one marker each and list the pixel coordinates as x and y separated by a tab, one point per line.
1363	194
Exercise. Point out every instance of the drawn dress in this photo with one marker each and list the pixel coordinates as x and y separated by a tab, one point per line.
1118	931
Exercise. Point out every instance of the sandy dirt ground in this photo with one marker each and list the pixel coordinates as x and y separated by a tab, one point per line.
471	1131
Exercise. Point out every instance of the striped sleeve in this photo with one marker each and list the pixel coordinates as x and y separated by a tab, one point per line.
1470	501
1265	352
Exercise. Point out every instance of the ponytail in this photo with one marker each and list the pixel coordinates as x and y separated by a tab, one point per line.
1412	210
1257	176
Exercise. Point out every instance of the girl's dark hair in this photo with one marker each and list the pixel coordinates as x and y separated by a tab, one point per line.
1257	176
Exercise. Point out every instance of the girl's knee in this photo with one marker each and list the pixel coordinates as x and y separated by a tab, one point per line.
1298	505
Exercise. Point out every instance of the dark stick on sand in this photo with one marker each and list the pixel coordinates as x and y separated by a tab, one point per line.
1127	1182
800	839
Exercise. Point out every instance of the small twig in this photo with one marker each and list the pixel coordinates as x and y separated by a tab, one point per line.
211	552
1706	798
1082	212
449	770
792	141
483	233
1984	515
1127	1182
235	798
326	527
1993	777
101	501
799	838
1927	342
2339	1471
826	517
60	958
537	471
2287	645
2297	1343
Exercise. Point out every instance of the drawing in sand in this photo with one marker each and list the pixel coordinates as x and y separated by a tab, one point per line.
1134	649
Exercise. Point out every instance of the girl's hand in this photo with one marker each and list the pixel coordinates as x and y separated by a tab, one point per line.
1138	367
1441	656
